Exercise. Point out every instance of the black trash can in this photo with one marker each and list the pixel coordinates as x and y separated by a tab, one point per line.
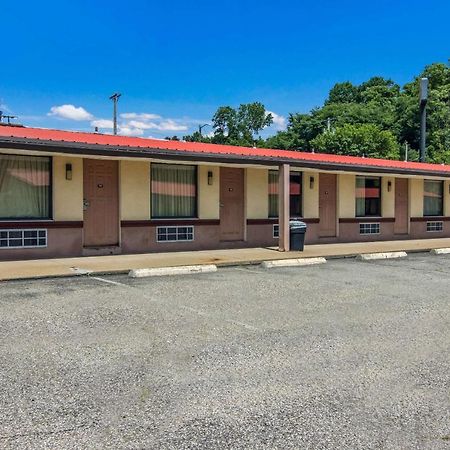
297	230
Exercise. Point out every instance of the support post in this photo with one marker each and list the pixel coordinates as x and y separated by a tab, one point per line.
283	207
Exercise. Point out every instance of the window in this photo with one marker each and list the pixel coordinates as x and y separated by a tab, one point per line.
173	190
25	187
368	196
273	193
433	198
295	194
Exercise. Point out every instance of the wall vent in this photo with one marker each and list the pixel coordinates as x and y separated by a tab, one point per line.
434	227
26	238
276	231
175	234
369	228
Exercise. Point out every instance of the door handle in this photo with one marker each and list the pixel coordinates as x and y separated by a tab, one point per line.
221	205
86	204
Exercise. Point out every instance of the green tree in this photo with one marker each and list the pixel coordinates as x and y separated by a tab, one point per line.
358	140
344	92
241	126
382	103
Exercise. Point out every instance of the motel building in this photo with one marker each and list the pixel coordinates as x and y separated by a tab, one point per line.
66	194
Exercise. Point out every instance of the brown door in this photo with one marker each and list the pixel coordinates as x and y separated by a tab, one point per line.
231	204
401	206
101	202
327	205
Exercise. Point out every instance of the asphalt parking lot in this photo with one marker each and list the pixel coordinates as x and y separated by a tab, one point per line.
349	354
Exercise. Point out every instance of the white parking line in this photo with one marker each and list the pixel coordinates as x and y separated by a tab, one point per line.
116	283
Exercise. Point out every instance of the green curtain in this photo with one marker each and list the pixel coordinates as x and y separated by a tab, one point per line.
273	193
24	187
433	198
174	190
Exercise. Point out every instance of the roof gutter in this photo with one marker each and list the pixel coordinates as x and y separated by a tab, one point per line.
182	155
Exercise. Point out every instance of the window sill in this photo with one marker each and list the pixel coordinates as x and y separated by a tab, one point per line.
171	221
367	219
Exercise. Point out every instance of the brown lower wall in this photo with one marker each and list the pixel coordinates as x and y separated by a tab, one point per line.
61	243
418	229
64	241
142	239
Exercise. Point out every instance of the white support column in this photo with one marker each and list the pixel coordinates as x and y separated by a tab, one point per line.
283	207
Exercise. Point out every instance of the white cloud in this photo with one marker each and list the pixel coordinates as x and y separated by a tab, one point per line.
4	107
171	125
130	131
164	125
140	116
278	121
142	125
103	123
70	112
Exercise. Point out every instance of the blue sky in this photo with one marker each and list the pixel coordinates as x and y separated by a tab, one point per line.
176	62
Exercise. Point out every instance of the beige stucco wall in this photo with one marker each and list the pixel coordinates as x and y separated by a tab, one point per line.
310	196
446	198
346	196
134	190
208	195
67	194
387	197
257	188
416	197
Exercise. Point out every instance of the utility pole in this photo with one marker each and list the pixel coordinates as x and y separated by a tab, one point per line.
423	98
406	151
328	124
115	98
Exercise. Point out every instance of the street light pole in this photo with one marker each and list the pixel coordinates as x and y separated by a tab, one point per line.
200	128
423	98
115	98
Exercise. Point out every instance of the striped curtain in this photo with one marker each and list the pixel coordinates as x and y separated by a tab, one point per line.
433	199
174	190
24	187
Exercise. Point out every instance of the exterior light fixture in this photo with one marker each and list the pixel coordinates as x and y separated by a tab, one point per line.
210	178
68	172
311	182
389	186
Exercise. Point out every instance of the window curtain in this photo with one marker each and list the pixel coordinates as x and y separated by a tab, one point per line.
433	198
24	187
174	190
368	196
273	193
295	194
360	197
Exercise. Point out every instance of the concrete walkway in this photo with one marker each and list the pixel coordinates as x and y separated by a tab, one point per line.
42	268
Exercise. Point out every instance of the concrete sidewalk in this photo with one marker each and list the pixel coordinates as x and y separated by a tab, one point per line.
42	268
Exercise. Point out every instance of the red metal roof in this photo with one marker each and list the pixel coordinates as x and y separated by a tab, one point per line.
93	139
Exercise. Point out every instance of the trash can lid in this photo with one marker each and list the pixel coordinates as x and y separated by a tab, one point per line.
297	224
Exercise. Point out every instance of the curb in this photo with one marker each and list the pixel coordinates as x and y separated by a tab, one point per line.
292	262
377	256
80	272
440	251
181	270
